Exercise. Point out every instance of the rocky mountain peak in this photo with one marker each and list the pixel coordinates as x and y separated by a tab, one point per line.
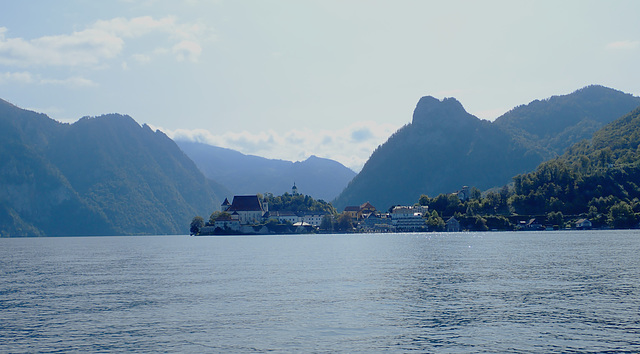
431	111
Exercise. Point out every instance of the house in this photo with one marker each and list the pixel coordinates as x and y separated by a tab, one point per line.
314	219
226	221
453	225
356	212
283	215
376	223
409	218
584	224
352	211
463	194
248	208
367	208
534	224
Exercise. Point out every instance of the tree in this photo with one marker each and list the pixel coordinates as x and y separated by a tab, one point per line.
344	223
479	224
298	203
473	206
327	223
475	193
621	216
555	218
435	222
196	225
217	214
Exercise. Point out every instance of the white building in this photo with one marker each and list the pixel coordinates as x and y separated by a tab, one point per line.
408	218
248	208
313	219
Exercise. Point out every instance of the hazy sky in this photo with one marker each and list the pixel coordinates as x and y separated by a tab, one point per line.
288	79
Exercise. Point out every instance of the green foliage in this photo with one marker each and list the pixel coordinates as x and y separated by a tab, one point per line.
215	215
196	225
596	179
326	225
444	148
344	223
277	227
592	178
554	124
435	222
498	222
448	204
556	219
299	204
621	216
98	176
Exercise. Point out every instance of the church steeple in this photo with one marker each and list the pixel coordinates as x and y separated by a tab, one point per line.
225	205
294	189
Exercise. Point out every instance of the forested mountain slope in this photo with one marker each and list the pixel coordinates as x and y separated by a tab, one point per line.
445	148
599	178
99	176
554	124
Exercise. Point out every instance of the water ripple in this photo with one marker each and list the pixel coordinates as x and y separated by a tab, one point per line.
484	292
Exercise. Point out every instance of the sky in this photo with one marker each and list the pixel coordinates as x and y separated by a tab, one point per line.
290	79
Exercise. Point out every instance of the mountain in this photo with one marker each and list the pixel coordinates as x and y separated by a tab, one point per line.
246	174
596	178
445	148
552	125
441	150
99	176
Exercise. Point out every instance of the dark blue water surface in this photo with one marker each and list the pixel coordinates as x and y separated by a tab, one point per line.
465	292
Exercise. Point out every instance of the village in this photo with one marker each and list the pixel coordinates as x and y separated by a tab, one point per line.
250	214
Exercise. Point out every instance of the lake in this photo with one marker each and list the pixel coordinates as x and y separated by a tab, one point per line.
566	291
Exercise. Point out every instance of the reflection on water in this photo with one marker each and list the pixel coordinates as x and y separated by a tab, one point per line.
491	292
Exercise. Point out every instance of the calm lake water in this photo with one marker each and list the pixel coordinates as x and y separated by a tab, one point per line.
465	292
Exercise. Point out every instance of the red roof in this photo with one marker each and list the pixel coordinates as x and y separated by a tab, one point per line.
246	203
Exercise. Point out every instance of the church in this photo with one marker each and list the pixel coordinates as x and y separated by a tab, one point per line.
249	209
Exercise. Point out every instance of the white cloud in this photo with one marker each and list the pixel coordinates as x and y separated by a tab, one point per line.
73	82
141	58
351	145
80	48
135	27
26	77
103	40
16	77
623	45
187	50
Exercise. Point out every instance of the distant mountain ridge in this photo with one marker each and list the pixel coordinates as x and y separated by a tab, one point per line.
246	174
99	176
596	179
445	148
554	124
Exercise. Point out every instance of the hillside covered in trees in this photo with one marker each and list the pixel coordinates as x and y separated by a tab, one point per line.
102	175
445	148
554	124
597	179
